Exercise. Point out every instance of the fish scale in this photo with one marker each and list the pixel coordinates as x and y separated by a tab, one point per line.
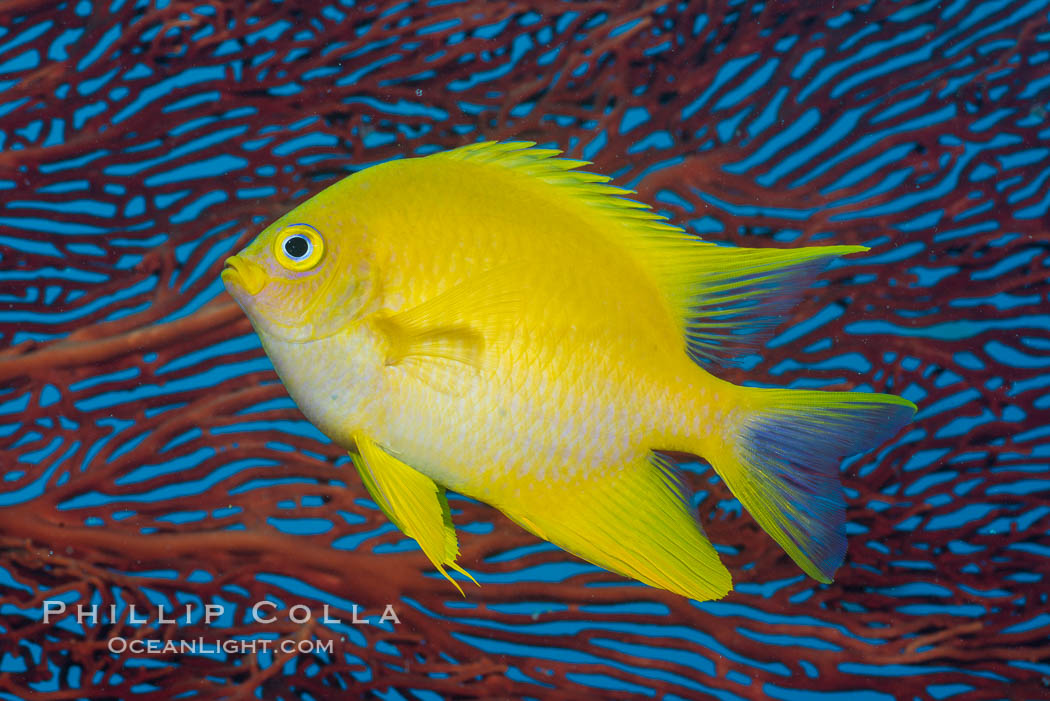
494	321
426	431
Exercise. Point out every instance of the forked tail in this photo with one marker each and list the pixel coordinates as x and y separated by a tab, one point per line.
781	460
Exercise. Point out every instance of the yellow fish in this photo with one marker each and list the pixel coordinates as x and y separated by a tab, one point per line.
493	321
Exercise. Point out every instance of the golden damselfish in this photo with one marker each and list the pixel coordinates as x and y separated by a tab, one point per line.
494	321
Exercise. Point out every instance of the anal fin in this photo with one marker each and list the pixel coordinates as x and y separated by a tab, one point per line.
412	501
633	521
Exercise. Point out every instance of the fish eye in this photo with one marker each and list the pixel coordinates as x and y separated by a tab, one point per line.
299	247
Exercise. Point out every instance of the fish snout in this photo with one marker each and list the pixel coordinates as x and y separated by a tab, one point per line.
245	274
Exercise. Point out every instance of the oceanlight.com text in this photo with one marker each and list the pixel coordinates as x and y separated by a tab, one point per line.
200	646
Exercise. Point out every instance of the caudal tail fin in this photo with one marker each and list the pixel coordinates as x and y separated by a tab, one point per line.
781	460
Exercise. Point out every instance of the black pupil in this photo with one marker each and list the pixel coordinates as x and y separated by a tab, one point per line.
296	246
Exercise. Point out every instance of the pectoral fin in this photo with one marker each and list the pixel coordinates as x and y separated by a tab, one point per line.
413	501
633	521
459	324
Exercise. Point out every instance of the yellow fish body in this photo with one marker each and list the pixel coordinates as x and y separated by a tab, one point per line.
493	321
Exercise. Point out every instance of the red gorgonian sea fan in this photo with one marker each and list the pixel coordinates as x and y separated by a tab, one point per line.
150	456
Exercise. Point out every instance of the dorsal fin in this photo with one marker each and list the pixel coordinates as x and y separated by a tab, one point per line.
724	300
636	218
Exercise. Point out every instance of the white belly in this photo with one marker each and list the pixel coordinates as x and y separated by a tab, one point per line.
337	382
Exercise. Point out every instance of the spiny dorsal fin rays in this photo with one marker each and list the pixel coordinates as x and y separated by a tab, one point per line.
543	164
723	300
412	501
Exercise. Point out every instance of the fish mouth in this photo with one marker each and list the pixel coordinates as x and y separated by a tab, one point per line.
244	274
